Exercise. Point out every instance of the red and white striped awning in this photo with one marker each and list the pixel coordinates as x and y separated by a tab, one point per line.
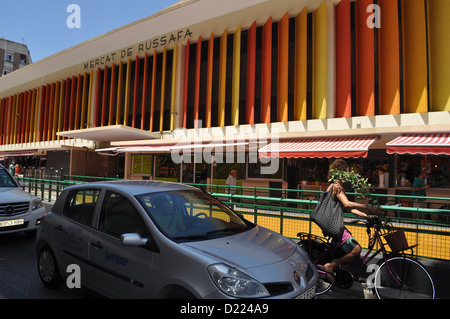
434	144
346	147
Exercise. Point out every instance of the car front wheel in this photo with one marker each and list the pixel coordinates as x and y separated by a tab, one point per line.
48	268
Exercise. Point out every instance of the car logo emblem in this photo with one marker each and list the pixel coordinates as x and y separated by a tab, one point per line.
9	210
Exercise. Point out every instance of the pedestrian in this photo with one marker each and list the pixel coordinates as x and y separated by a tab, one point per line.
232	181
11	168
419	188
348	245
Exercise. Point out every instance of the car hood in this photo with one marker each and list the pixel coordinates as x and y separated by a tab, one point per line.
253	248
14	195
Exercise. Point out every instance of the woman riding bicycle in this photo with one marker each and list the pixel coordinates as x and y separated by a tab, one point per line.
347	243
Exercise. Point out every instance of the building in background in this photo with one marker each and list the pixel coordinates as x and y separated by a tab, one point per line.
13	56
297	81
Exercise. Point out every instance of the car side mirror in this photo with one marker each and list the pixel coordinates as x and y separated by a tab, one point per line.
135	240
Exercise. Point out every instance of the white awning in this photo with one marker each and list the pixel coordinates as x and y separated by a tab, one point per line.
111	133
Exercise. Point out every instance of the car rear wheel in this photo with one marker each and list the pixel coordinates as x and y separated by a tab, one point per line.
48	268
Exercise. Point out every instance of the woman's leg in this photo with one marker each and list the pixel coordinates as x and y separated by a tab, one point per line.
347	258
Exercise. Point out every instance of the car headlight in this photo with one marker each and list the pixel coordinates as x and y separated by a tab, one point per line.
37	203
235	283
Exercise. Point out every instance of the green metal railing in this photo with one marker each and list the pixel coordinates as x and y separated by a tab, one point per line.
287	211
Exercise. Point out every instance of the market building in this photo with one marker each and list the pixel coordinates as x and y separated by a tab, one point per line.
272	88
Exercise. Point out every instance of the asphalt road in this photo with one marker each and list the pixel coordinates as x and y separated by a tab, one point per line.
19	278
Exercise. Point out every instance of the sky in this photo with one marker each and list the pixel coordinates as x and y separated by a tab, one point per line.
42	24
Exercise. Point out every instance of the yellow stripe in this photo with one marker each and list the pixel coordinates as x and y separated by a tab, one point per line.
236	76
439	44
301	65
163	89
127	93
173	92
415	57
222	77
320	62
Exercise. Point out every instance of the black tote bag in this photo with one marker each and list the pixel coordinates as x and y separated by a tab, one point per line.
329	215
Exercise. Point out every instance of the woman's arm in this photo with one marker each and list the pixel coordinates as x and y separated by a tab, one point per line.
362	210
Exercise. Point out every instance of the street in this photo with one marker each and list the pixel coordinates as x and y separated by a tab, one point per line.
19	278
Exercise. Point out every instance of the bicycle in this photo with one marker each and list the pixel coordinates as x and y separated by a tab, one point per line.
395	276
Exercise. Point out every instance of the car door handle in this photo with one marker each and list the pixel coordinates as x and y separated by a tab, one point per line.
97	245
59	228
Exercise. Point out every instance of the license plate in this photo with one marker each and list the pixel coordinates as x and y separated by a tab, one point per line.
309	294
14	222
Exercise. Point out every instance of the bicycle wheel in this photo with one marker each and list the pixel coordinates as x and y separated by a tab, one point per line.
319	254
403	278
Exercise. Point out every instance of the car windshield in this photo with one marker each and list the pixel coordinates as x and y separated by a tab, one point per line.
6	180
191	215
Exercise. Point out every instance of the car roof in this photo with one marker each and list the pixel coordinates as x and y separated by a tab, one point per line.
135	187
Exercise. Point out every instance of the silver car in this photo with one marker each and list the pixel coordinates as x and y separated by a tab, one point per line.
151	239
19	210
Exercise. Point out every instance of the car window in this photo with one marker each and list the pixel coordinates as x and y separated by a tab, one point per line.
191	215
119	216
6	180
80	205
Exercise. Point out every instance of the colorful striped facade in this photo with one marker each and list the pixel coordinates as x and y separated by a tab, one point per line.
258	62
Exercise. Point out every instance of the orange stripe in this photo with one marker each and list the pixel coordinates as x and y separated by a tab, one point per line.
389	58
266	71
415	68
283	68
